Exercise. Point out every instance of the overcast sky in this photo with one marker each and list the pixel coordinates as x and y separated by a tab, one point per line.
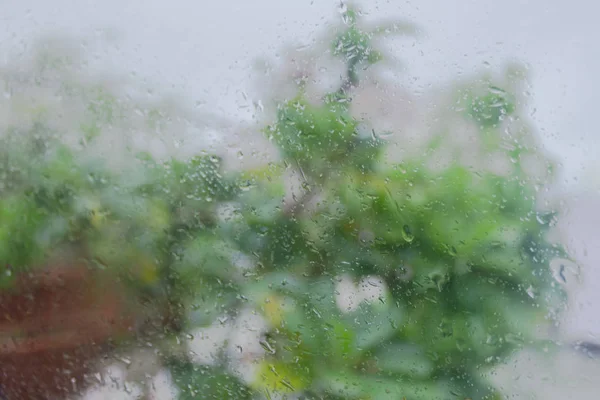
204	48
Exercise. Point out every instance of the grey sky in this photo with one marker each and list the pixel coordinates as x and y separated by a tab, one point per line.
204	48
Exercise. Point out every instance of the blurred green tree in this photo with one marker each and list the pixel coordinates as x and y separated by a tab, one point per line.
460	254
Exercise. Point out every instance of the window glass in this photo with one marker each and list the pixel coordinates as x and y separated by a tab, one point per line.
298	200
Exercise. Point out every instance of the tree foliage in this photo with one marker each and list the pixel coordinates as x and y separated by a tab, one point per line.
460	254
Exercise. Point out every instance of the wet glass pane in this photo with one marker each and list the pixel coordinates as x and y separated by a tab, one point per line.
298	200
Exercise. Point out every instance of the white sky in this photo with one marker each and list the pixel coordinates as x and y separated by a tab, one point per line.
204	48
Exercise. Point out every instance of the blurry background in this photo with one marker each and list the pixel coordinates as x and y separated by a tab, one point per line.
206	54
204	49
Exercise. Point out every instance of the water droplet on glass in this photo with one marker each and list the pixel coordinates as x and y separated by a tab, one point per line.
265	345
496	90
246	185
540	219
259	105
287	385
407	234
124	360
452	251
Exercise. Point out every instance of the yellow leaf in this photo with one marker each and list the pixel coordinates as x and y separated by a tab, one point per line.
275	308
148	272
279	378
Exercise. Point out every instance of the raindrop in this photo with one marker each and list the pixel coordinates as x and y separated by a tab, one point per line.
496	90
564	271
404	272
498	103
268	394
124	360
287	385
407	235
259	105
514	339
438	280
540	219
452	251
265	345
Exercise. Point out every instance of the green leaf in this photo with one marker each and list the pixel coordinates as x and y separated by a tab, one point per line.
196	381
355	386
404	359
374	324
